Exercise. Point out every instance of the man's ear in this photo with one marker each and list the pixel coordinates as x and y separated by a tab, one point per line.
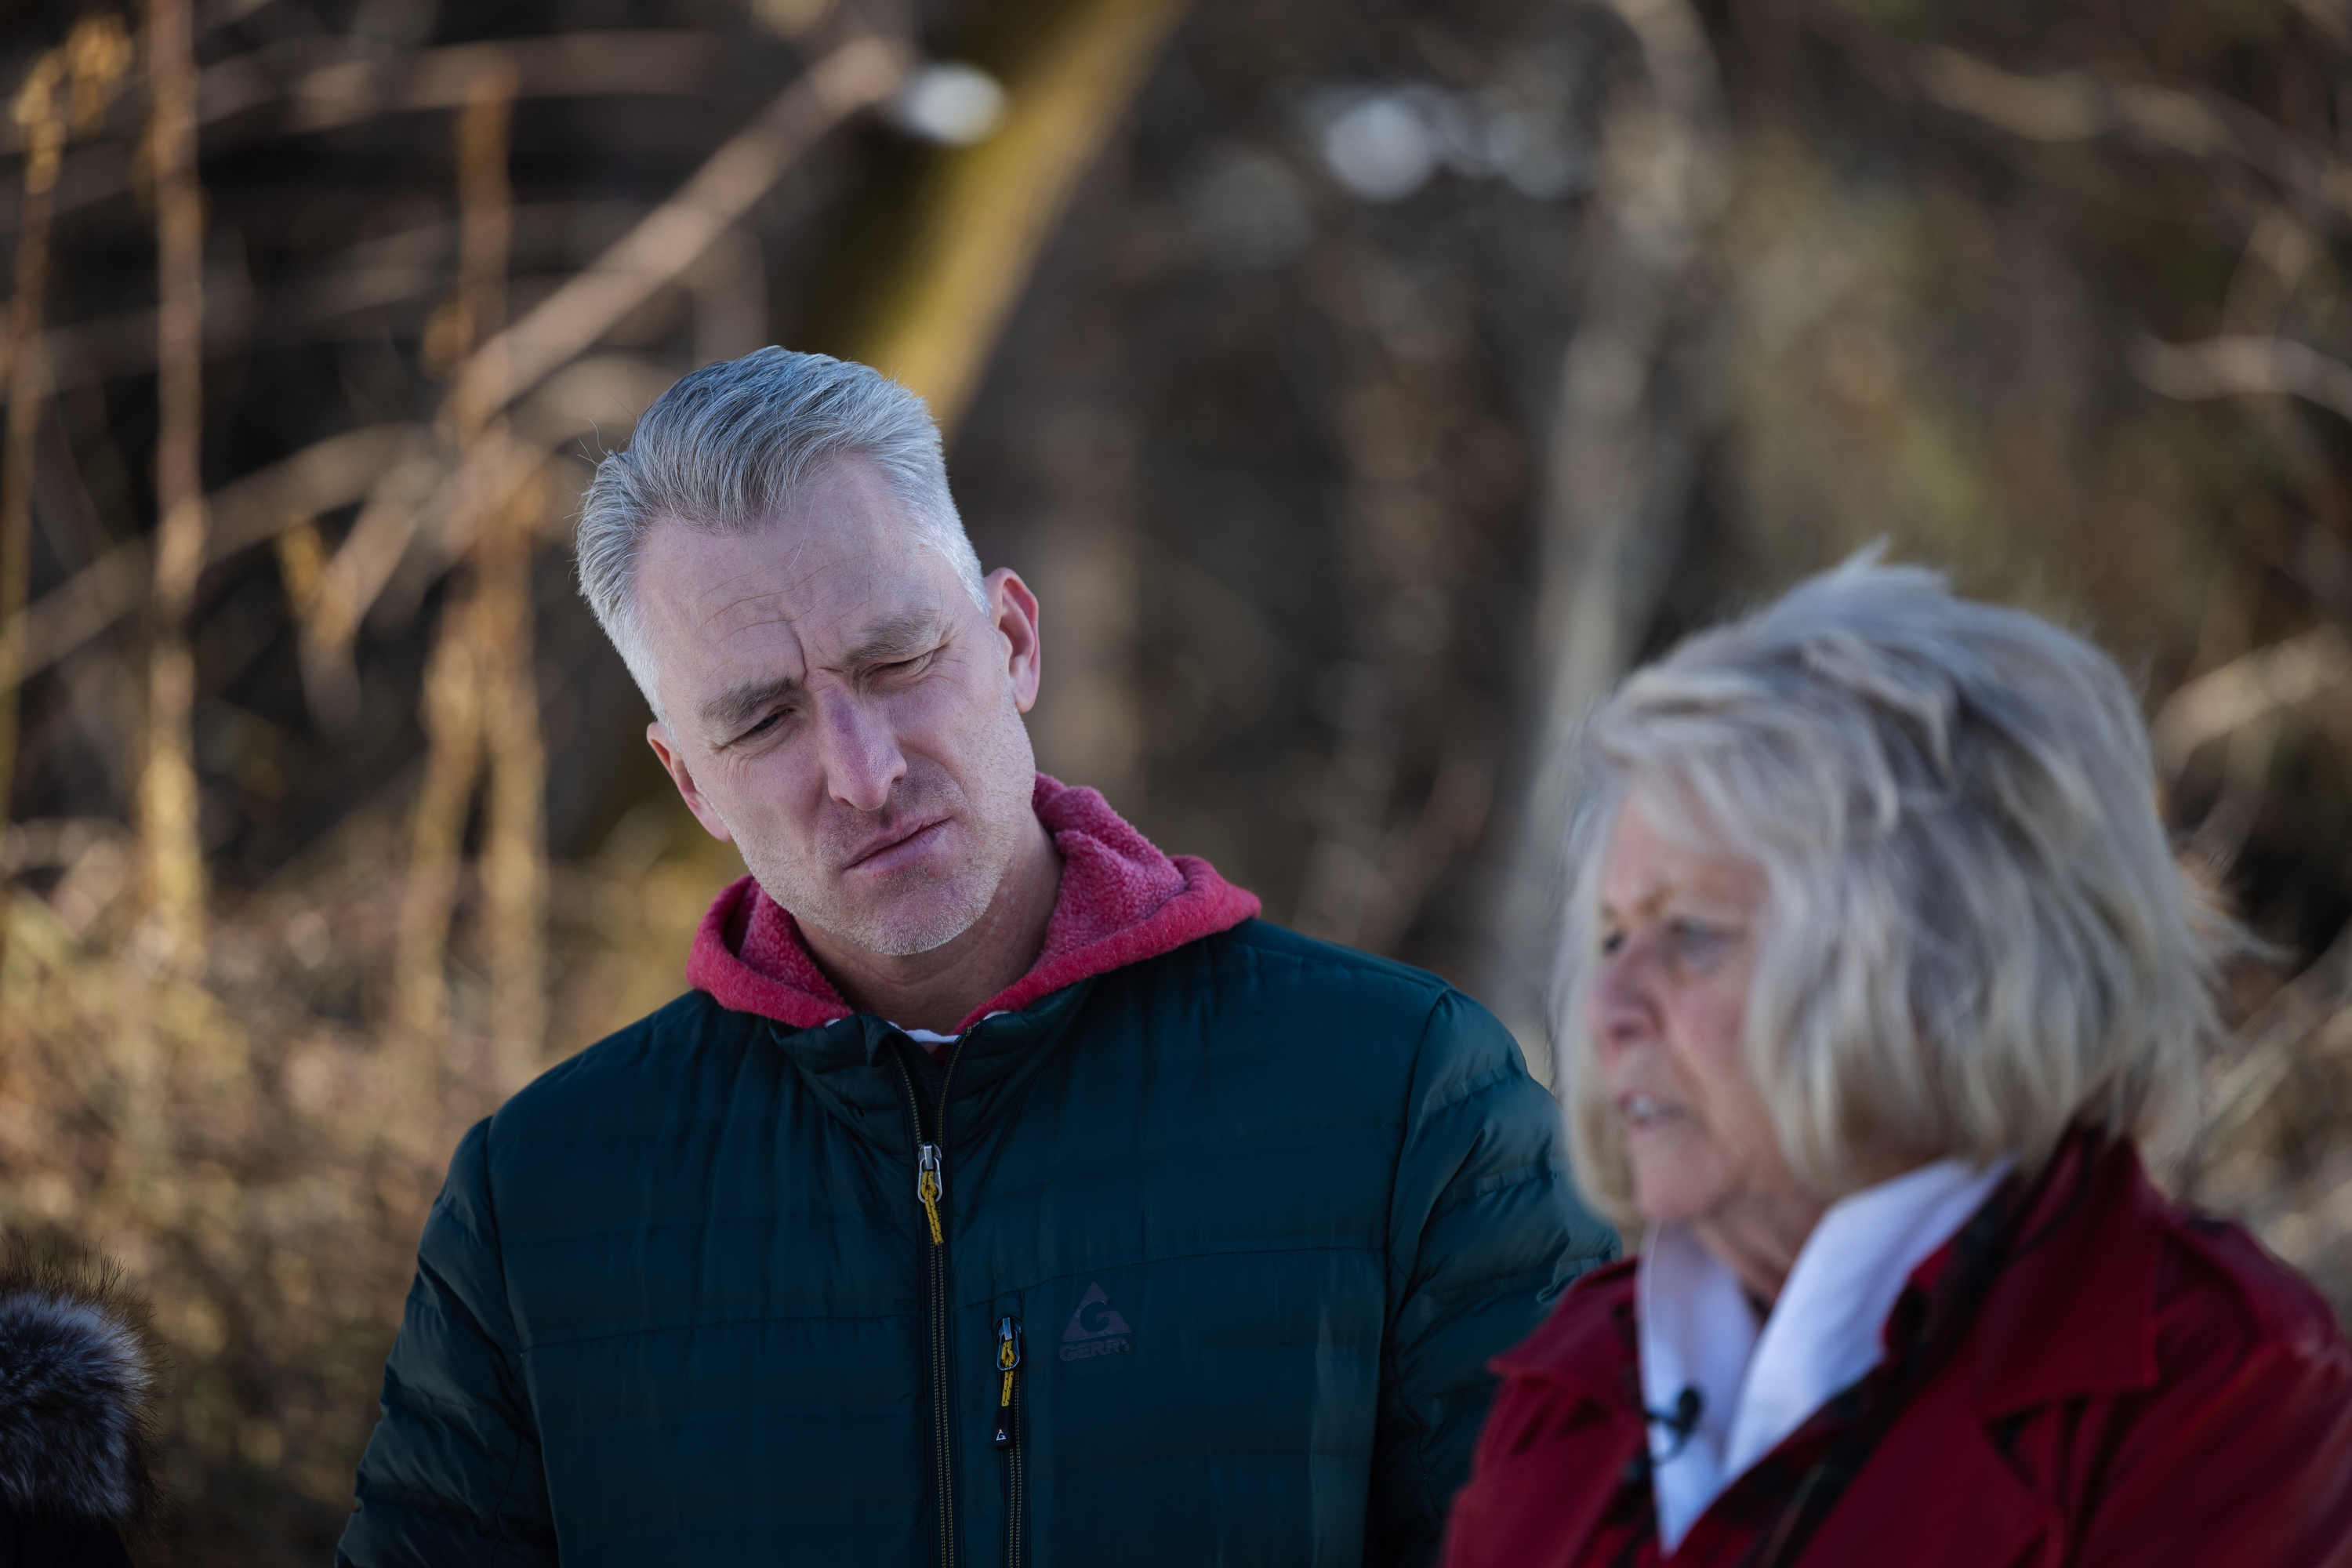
1013	609
696	801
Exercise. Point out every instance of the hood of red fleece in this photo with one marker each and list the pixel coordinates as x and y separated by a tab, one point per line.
1121	902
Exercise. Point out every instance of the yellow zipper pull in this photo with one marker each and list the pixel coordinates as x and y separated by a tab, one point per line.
1008	1359
928	1186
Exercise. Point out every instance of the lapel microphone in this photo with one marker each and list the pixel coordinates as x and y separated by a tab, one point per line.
1682	1421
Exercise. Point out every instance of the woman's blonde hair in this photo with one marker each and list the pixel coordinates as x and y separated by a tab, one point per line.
1975	934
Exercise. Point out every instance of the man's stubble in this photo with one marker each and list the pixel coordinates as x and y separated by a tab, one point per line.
927	911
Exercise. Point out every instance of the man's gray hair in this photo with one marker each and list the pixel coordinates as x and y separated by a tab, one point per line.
1975	935
731	446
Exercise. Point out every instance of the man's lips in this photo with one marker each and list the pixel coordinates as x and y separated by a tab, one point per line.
895	846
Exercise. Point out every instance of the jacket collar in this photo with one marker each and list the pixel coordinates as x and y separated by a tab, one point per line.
2073	1312
2069	1314
853	1068
1121	902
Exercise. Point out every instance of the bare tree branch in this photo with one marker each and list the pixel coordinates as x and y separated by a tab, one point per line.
605	390
335	473
674	236
2245	366
318	84
2283	674
2079	105
350	289
570	65
1609	483
173	855
990	207
2274	1039
40	110
2332	17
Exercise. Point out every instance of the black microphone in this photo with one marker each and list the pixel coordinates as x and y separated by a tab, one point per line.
1682	1422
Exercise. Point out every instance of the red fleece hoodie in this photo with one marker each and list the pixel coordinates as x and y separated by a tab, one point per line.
1121	902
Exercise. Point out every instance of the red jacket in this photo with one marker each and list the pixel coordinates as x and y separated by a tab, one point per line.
2139	1383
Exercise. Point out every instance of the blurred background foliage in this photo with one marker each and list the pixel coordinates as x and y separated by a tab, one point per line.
1362	386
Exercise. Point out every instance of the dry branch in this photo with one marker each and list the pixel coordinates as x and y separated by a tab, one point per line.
173	856
2284	675
423	513
514	858
1610	490
321	84
70	86
2079	105
573	65
2274	1039
2332	17
350	582
452	716
989	209
729	287
664	244
2245	366
42	115
481	704
463	655
332	473
395	468
674	236
317	86
514	849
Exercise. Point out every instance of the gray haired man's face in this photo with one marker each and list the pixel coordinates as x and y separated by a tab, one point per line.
841	710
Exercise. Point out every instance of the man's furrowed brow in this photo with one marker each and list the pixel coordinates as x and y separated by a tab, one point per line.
886	642
897	637
739	703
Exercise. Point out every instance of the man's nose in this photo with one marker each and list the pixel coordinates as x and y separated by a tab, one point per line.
861	754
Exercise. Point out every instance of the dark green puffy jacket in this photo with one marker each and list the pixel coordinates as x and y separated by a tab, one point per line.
1253	1213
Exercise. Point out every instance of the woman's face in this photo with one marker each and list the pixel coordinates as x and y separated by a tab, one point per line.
1679	930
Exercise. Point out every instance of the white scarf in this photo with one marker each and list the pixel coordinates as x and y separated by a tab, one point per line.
1756	1386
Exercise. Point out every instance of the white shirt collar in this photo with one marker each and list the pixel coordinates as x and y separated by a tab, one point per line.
1757	1386
931	1037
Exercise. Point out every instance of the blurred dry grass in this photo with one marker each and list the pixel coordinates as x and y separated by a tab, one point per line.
257	1145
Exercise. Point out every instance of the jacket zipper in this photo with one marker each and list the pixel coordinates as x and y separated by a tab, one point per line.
1008	1432
930	1189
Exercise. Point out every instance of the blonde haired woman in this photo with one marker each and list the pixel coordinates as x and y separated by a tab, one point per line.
1879	976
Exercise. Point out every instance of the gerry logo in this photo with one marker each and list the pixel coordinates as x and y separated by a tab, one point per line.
1095	1328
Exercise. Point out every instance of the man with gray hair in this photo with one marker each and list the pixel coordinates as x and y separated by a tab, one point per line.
1005	1190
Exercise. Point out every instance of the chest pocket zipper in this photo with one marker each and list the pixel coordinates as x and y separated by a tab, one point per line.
1008	1436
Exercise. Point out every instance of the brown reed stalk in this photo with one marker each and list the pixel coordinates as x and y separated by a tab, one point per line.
40	115
485	222
514	850
480	703
98	55
451	713
172	852
92	59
